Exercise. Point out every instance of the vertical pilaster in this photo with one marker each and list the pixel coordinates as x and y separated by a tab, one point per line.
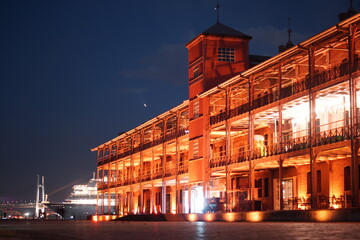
281	196
141	173
109	180
152	197
163	164
109	203
122	202
132	169
117	205
189	198
102	202
117	176
312	128
353	120
279	139
177	153
123	183
227	154
97	194
251	144
206	149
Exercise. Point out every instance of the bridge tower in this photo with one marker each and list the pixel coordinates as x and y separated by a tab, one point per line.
40	198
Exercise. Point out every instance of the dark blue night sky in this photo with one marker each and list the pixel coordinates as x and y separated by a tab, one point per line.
76	73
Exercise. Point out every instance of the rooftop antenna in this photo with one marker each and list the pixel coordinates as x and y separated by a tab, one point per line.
289	43
217	9
289	34
349	13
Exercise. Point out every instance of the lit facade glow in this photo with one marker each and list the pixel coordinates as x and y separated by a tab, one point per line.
322	215
230	217
282	134
209	217
254	217
192	217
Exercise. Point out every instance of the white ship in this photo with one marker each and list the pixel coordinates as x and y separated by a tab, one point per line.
81	203
84	193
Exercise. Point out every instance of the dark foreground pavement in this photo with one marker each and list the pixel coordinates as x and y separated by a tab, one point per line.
76	230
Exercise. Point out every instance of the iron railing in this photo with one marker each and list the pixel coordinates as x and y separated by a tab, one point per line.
330	136
160	140
319	78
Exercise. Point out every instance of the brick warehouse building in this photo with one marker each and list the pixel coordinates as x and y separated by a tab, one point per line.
281	134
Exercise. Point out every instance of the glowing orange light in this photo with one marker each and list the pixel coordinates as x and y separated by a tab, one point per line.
322	215
335	206
254	216
209	217
95	218
229	217
192	217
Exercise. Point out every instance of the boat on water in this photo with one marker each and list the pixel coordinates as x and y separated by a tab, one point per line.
80	204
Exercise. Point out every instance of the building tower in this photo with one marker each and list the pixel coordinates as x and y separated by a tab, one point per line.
214	56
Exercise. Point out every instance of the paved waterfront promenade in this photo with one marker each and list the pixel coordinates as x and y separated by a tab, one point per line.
78	230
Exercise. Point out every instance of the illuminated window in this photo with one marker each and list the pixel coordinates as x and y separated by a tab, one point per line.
196	72
226	54
195	149
196	109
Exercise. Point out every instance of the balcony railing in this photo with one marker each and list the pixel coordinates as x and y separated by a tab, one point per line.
171	135
127	181
102	186
145	176
158	174
170	172
218	161
160	140
294	88
265	100
222	116
333	135
183	169
319	78
325	137
238	157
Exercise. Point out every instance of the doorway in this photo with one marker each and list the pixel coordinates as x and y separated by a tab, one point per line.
288	193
